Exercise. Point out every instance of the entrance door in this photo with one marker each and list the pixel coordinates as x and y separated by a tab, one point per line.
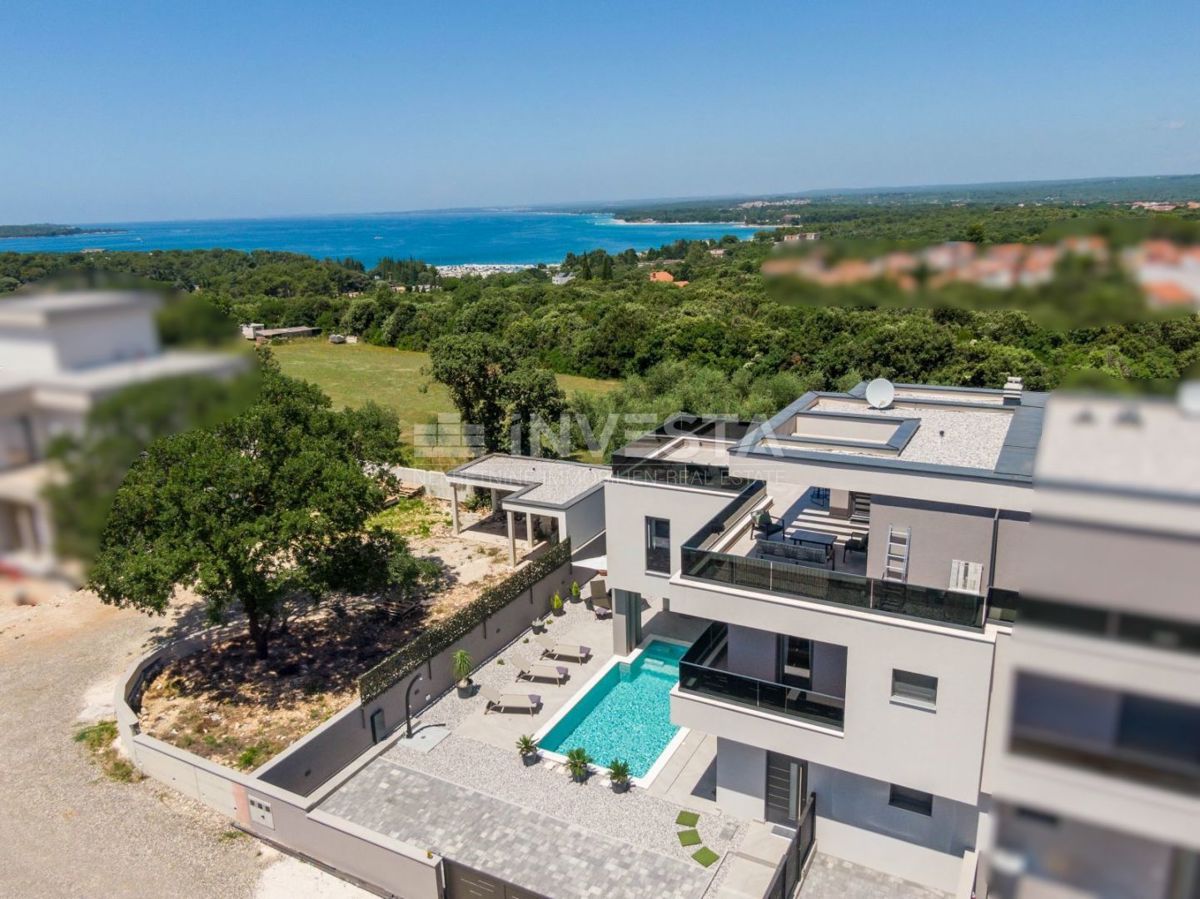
786	783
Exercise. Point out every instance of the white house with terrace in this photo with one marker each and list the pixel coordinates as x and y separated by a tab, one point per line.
60	354
856	557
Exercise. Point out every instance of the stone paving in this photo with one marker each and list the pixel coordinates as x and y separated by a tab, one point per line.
834	878
524	846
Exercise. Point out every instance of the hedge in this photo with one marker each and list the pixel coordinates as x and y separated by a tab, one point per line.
450	630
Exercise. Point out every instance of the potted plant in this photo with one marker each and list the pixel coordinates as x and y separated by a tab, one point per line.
576	593
618	774
556	603
460	664
578	761
539	624
528	749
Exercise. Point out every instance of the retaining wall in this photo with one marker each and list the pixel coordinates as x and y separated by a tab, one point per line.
434	482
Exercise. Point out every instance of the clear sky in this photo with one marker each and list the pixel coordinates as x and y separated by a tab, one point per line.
130	110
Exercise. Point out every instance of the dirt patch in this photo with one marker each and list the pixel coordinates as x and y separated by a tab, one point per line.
226	705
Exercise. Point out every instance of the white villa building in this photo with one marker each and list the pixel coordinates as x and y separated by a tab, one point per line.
59	355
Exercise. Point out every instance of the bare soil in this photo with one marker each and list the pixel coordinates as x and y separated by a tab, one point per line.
228	706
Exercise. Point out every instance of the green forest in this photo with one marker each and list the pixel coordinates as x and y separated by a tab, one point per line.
728	341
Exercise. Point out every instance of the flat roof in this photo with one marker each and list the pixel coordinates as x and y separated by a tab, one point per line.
115	375
36	311
536	481
944	430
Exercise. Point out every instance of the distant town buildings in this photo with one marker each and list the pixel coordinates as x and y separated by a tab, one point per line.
1169	273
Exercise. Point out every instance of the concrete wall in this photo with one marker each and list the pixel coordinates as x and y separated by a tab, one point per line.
434	482
741	778
939	534
584	520
112	335
938	751
753	653
626	505
294	821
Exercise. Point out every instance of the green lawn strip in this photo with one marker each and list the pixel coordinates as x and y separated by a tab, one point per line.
705	856
687	819
689	838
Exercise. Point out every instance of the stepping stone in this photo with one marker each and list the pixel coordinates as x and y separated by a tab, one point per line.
705	856
689	838
687	819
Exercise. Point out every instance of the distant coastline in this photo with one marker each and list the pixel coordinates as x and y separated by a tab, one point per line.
8	232
656	223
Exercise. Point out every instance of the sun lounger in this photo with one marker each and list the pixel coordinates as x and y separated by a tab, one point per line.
517	702
564	650
544	671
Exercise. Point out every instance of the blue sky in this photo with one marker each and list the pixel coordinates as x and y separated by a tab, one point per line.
128	111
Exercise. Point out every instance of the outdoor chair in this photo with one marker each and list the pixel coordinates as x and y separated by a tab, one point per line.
544	671
558	650
856	544
765	526
517	702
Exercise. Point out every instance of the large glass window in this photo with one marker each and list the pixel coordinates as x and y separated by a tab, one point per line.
658	545
796	662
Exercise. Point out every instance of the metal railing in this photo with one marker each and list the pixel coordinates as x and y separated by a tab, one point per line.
769	696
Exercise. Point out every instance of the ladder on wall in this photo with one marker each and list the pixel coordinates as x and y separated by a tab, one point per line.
895	565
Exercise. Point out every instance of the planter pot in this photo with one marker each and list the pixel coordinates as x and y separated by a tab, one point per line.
620	787
466	689
531	759
581	777
559	612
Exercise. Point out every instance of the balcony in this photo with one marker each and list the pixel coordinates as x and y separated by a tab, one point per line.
720	553
702	672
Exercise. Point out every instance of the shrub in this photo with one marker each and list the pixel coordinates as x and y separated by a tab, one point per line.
618	771
578	761
526	745
556	603
461	665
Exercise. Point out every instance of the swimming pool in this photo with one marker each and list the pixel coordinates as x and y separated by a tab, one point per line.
626	713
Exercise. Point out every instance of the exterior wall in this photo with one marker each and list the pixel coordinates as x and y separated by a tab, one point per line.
1100	861
584	520
27	352
109	335
1014	548
1103	800
1106	567
626	506
940	534
741	778
434	482
855	822
882	738
753	653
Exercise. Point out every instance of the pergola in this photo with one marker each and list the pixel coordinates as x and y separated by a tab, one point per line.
569	493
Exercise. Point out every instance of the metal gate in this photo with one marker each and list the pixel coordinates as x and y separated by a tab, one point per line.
790	872
463	882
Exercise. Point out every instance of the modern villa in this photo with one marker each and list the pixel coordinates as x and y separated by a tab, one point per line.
856	564
904	641
60	354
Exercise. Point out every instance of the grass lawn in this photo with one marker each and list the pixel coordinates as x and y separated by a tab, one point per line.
353	374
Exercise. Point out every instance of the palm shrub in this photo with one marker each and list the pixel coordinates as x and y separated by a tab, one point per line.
556	603
460	665
577	763
575	591
527	748
618	773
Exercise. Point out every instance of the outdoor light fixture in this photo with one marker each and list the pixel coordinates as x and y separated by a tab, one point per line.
408	696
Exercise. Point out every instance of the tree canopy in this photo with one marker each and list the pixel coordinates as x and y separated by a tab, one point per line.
259	512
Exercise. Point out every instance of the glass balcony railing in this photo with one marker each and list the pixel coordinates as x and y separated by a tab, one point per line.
695	676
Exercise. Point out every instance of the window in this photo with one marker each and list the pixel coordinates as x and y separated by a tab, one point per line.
658	545
1038	817
912	687
966	577
911	800
796	662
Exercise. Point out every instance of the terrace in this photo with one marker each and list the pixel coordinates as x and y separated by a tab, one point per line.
459	787
795	562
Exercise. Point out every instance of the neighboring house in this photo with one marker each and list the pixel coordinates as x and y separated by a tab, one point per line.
851	643
59	355
1094	759
662	277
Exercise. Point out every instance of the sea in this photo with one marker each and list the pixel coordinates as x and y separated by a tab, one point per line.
442	238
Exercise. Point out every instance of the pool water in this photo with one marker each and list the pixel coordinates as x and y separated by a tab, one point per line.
626	714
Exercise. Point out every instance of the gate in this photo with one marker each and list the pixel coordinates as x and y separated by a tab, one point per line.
463	882
791	870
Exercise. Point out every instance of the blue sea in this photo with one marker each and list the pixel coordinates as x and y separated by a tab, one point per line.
442	238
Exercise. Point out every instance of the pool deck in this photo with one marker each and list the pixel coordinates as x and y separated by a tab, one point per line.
467	796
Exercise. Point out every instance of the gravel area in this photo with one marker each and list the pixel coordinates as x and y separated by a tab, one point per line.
66	829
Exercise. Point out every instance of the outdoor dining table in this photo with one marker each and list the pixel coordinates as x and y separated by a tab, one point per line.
812	538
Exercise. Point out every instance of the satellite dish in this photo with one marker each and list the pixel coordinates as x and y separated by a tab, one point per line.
1189	398
880	393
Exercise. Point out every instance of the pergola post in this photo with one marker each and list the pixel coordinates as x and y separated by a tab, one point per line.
512	540
495	501
454	506
529	529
